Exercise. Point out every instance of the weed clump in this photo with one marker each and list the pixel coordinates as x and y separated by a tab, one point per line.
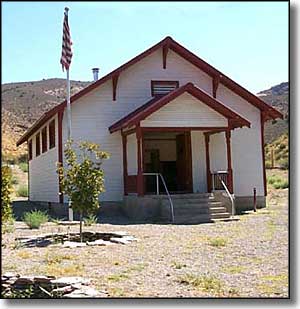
34	219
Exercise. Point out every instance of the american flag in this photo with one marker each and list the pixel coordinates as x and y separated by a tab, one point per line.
66	54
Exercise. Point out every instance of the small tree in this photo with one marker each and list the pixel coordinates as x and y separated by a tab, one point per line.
83	179
6	190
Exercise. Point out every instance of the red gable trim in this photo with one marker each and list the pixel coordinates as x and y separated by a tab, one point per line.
186	54
155	104
223	79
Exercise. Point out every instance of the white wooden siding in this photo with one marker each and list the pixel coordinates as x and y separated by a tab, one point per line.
218	152
131	154
43	179
199	162
185	111
246	150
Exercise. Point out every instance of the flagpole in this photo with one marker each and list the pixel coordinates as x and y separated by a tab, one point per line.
69	124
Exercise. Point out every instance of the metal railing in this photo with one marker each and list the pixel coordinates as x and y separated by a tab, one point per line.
226	189
166	189
216	177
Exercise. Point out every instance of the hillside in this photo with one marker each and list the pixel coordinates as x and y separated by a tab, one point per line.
277	152
23	103
278	97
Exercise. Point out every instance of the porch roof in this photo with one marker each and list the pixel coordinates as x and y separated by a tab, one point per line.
157	102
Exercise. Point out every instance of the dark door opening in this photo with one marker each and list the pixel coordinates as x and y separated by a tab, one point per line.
172	158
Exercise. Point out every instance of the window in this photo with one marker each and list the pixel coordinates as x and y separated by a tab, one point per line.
37	145
162	87
52	134
29	150
44	139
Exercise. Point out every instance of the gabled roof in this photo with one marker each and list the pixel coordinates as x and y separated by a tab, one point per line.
167	43
157	102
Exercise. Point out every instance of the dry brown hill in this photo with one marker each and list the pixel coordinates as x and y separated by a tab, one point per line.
278	97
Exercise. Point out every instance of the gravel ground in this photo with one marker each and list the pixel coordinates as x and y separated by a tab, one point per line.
244	258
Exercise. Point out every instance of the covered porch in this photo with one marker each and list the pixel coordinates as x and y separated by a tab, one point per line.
150	154
171	135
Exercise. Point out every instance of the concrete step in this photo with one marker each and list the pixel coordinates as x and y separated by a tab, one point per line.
195	211
201	218
218	209
188	219
221	215
186	204
184	196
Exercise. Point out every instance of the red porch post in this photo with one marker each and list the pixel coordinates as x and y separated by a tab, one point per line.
208	173
140	183
125	173
262	130
229	166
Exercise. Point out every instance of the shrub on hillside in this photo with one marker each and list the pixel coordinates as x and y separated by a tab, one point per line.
23	158
23	166
35	218
284	163
268	164
22	191
6	190
278	182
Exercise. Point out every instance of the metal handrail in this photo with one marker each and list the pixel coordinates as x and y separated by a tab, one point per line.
167	191
228	193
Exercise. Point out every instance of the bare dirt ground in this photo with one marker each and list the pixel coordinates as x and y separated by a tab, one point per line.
244	258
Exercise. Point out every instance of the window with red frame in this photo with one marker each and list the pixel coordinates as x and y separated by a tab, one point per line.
37	145
30	150
44	139
52	134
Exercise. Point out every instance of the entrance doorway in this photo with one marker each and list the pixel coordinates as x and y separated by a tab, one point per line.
168	153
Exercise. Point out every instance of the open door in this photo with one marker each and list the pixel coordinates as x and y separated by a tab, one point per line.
184	162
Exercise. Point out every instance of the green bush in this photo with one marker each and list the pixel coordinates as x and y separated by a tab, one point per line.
283	184
35	218
284	163
268	164
88	221
273	179
22	191
83	178
23	166
277	182
14	180
6	190
23	158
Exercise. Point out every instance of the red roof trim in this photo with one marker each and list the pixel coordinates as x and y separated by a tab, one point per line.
156	103
225	80
182	51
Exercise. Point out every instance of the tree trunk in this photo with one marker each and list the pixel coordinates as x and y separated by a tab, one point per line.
80	216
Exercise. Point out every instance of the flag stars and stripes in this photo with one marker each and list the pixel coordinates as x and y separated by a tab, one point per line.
66	54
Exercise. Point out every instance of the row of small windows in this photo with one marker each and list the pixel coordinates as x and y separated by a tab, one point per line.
50	129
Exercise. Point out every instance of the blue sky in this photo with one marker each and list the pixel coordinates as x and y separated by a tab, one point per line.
248	41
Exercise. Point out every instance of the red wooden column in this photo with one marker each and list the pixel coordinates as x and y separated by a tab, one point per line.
262	124
125	173
140	182
229	166
208	173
